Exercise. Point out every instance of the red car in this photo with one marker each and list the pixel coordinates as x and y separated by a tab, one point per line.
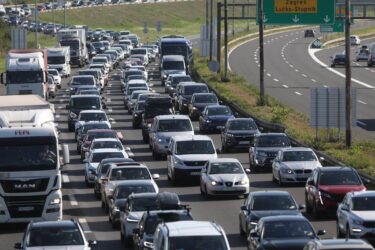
327	187
97	133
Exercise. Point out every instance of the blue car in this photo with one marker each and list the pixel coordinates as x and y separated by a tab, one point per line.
214	117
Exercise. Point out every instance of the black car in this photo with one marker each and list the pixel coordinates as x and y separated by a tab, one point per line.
338	59
173	80
99	47
91	50
264	149
238	133
137	114
309	33
199	101
282	232
261	204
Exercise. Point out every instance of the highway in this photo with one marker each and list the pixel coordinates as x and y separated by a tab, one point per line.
80	203
290	71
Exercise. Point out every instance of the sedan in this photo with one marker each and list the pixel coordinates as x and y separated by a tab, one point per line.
362	55
294	165
199	101
214	117
224	176
338	59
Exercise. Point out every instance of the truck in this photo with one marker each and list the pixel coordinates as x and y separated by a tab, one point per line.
177	45
26	72
59	58
76	40
30	174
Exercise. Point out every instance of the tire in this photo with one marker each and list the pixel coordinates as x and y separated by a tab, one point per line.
224	148
315	212
339	234
122	237
208	196
200	187
308	207
70	128
273	178
103	205
106	208
281	183
242	232
155	155
145	139
114	224
347	233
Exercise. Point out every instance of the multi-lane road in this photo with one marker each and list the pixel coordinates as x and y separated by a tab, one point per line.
291	69
80	203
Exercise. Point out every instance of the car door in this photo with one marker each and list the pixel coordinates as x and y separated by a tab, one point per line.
276	164
170	153
152	132
343	212
244	213
204	175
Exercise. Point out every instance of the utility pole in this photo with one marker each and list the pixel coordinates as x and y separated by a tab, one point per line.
261	54
36	24
206	19
348	78
233	18
218	35
211	26
225	79
64	14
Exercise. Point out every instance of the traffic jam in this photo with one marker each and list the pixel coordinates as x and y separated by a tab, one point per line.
69	123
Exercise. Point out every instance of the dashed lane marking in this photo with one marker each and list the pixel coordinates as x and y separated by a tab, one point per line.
65	178
268	74
108	99
110	110
297	93
304	75
276	80
361	102
73	200
296	70
313	80
85	225
285	86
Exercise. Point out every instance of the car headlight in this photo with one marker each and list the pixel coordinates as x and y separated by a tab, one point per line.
73	115
324	194
287	171
164	76
132	220
208	121
55	201
214	183
161	140
244	182
149	125
261	154
116	209
135	115
178	162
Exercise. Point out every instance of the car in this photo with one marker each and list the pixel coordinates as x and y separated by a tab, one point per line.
187	155
238	133
264	149
173	80
133	99
294	165
199	101
163	128
261	204
224	176
121	192
354	40
97	73
143	235
171	64
190	235
328	186
309	33
137	114
56	76
95	157
102	170
90	116
82	131
342	244
338	59
97	133
282	232
82	80
214	118
54	234
51	87
362	55
355	216
184	92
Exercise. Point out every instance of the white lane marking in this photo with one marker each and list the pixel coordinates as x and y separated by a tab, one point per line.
325	86
60	107
57	116
65	178
373	71
113	121
110	110
85	225
313	80
256	61
313	56
304	75
276	80
108	99
130	153
367	69
297	93
361	123
291	66
268	74
296	70
108	92
61	100
286	62
361	102
73	200
285	86
64	96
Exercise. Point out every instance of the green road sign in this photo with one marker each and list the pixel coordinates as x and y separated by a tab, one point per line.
338	26
298	12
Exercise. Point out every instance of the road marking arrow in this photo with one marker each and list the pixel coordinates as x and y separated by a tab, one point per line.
295	19
265	19
326	19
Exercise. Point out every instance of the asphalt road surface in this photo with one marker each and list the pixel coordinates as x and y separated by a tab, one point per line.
80	203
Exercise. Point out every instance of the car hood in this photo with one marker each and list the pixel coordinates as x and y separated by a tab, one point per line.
94	164
59	248
265	213
302	164
285	244
173	71
202	105
227	177
200	157
269	149
365	215
243	132
168	135
341	189
219	117
136	215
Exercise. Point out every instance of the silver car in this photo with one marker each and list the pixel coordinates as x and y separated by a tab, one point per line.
224	176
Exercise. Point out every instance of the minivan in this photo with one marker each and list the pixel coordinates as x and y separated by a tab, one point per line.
171	64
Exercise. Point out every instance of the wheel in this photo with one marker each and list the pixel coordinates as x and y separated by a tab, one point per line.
70	128
97	195
273	178
308	207
242	232
224	148
208	196
103	205
200	188
315	212
339	234
155	155
281	183
106	208
145	138
122	237
114	224
347	233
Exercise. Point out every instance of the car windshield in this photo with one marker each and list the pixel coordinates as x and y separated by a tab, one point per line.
135	95
98	157
333	178
189	90
173	65
216	242
195	147
107	144
273	141
144	203
273	202
299	156
86	103
92	136
88	127
153	111
99	60
226	168
123	192
174	125
137	173
83	81
205	99
92	117
364	203
54	236
242	125
287	229
131	90
53	72
212	111
177	80
153	221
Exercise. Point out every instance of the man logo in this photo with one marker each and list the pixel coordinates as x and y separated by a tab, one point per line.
24	186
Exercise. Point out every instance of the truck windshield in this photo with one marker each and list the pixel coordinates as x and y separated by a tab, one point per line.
174	49
21	77
56	60
26	154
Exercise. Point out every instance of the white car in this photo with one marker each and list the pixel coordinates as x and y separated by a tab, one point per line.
91	116
187	155
356	215
56	76
354	40
293	165
51	87
362	55
224	176
95	157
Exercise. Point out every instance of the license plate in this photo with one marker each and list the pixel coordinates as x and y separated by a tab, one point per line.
25	209
195	173
219	127
244	142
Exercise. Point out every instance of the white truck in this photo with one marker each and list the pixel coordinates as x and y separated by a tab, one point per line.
59	58
26	72
76	40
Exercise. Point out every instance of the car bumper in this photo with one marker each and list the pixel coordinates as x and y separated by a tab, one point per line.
233	142
129	227
294	178
161	148
225	190
188	172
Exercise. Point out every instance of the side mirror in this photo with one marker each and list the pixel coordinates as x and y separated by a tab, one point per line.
136	231
321	158
92	243
155	176
344	207
66	155
58	86
260	129
169	152
104	106
85	160
302	206
254	234
67	106
243	208
247	170
321	232
17	246
310	182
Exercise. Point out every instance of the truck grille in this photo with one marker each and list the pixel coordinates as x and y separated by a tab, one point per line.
195	163
17	186
25	92
25	206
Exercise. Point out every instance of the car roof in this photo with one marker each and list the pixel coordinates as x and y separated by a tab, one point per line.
100	131
335	169
106	139
123	183
284	218
271	134
92	111
95	122
192	228
106	150
342	243
217	160
173	58
143	195
84	96
82	76
172	117
191	138
296	149
47	224
216	106
192	84
368	193
116	160
177	75
241	119
270	193
195	94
